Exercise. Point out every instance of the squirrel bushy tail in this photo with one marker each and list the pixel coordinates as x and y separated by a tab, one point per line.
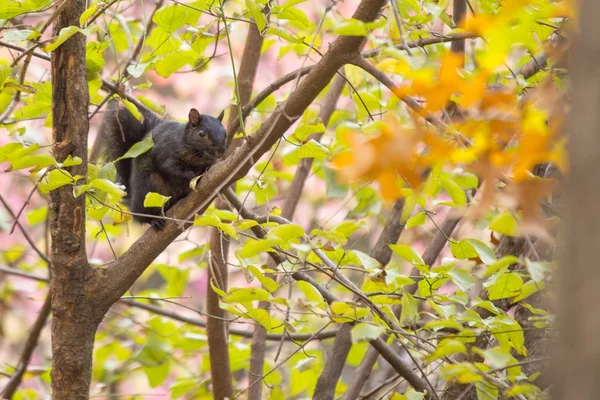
121	130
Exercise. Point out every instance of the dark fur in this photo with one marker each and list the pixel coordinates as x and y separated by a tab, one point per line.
180	153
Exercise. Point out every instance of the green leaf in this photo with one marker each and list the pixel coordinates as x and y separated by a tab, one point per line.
137	70
244	224
428	286
294	14
55	179
17	35
253	247
176	277
285	232
407	253
444	324
344	312
162	42
138	149
497	358
410	309
268	283
70	161
368	262
173	62
4	74
153	199
472	248
37	216
157	375
199	251
528	390
446	348
486	254
501	264
261	316
257	14
183	387
37	160
465	372
338	190
463	279
133	110
88	13
416	220
538	269
244	295
506	224
277	31
304	130
108	187
119	37
170	18
530	287
310	149
463	249
311	293
455	192
466	180
363	332
351	27
11	8
508	284
63	36
224	215
108	171
486	391
213	220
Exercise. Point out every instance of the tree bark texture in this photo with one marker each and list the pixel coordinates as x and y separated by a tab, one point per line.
74	319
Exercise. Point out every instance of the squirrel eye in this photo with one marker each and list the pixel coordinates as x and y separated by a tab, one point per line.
202	132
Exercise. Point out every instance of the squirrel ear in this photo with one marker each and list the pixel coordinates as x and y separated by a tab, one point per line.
194	117
220	117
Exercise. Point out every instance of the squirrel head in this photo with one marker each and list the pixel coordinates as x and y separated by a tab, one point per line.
205	135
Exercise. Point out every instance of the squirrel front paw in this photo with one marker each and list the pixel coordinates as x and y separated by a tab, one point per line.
158	224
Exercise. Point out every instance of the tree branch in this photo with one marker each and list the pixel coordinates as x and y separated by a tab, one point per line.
459	13
362	63
30	345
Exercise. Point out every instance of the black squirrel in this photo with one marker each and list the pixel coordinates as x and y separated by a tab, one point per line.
181	152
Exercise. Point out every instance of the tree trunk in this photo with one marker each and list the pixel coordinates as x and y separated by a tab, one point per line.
577	372
74	323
